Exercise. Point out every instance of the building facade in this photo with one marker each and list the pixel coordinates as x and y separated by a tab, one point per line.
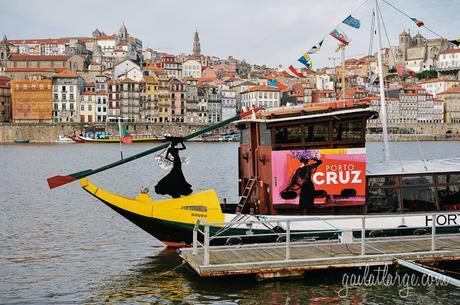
451	98
66	96
178	100
191	68
5	99
129	100
32	100
261	96
88	107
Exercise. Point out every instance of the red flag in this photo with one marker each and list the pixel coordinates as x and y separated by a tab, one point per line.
127	139
400	70
295	72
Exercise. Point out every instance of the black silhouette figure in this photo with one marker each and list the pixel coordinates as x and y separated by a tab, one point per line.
302	180
174	183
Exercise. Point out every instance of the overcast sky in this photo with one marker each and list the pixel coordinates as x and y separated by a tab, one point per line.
268	32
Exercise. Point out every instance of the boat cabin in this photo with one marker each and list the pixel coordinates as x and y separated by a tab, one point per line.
274	146
272	141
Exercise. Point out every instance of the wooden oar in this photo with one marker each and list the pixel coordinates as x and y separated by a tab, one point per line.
61	180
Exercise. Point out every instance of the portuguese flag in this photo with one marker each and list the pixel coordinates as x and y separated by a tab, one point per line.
125	137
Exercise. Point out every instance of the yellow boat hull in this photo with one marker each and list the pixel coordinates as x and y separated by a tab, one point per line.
170	220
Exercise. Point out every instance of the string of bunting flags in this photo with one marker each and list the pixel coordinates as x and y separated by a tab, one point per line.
306	60
338	34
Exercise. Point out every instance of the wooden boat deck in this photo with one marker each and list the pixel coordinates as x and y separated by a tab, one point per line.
269	260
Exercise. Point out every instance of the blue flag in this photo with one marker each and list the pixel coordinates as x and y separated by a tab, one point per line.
353	22
306	60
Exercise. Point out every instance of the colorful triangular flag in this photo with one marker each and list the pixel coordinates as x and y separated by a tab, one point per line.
351	21
292	71
417	22
316	47
306	61
340	36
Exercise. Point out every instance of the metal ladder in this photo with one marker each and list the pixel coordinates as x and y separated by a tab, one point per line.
246	193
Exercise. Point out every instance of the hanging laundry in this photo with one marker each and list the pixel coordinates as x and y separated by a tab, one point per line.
316	47
306	61
417	22
292	71
353	22
340	36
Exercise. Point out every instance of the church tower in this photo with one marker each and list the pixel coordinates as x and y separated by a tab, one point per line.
196	44
123	33
4	52
404	43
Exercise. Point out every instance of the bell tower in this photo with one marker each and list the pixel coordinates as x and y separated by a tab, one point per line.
4	53
196	44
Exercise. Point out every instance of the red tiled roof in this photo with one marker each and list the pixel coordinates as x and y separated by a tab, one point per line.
436	80
40	41
34	69
128	80
107	37
21	57
262	88
89	84
451	51
65	73
451	90
101	92
88	92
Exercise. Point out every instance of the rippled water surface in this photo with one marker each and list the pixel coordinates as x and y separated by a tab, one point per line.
63	246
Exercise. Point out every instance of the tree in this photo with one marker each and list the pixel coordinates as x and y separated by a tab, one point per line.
427	74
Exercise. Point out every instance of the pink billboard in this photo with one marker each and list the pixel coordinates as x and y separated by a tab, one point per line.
319	177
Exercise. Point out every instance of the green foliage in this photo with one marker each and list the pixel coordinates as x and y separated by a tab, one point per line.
427	74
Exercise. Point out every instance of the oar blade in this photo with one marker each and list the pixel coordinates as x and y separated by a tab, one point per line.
59	180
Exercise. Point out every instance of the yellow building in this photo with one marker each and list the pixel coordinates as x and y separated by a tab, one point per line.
31	100
88	106
149	99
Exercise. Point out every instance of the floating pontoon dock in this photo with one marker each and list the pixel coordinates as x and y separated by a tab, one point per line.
292	258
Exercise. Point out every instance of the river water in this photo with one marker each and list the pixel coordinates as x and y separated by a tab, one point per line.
63	246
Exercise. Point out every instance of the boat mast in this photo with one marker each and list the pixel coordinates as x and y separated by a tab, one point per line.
342	49
119	135
383	111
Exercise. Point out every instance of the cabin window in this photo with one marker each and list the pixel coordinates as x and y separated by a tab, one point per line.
245	136
449	197
449	179
418	193
381	181
317	133
418	198
382	201
285	135
347	131
417	180
265	135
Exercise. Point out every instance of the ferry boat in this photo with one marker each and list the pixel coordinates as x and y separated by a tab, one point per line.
345	184
107	138
324	142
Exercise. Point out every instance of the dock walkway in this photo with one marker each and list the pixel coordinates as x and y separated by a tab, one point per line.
294	258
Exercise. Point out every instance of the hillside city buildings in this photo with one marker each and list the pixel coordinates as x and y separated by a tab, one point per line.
111	77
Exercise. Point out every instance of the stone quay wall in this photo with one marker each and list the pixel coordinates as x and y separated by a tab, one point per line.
49	132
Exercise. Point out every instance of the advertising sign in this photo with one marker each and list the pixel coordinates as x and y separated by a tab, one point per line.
331	176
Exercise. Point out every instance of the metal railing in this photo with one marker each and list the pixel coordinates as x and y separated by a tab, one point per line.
339	235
